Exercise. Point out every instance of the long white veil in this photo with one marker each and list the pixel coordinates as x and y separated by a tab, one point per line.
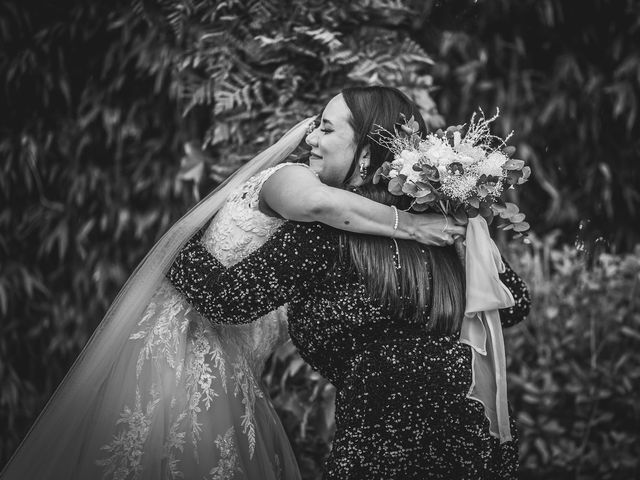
69	410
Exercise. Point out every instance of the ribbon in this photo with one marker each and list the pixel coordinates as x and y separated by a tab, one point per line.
481	328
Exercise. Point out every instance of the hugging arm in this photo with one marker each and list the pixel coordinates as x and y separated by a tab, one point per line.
512	315
288	265
295	193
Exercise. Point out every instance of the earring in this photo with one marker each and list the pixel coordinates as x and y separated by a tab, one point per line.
364	170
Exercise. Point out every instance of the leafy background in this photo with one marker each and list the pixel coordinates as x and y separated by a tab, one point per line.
117	116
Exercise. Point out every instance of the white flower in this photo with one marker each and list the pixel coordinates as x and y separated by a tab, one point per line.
414	176
440	154
393	173
474	152
466	160
492	165
409	159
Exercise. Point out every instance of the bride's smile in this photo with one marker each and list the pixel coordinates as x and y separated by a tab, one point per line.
333	145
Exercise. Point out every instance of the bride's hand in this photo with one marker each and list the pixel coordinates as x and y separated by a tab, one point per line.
437	230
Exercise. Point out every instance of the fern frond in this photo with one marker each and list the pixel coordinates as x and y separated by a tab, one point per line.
321	35
202	95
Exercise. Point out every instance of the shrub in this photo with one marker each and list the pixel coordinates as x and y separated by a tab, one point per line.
575	366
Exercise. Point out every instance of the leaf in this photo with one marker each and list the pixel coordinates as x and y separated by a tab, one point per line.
521	227
517	218
485	210
474	202
377	176
455	168
509	151
425	199
419	207
460	215
409	188
513	177
526	173
510	210
431	172
395	186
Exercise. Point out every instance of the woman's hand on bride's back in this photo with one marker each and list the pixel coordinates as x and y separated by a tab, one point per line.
436	229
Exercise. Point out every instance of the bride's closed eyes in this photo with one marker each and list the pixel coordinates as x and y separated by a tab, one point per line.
326	123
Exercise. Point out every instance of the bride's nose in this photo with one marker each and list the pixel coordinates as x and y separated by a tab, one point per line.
312	138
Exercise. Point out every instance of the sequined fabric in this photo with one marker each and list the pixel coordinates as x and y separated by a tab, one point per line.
401	407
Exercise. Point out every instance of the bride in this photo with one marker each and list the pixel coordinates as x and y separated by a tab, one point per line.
160	393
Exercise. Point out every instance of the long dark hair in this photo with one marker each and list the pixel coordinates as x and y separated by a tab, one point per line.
428	288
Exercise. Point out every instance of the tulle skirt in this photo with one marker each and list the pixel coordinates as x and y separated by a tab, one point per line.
179	399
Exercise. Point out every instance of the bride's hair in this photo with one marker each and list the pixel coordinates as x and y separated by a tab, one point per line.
428	288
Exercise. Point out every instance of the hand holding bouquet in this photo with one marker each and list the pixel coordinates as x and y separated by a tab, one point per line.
457	173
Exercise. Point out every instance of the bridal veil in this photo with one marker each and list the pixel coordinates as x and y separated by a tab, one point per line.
53	446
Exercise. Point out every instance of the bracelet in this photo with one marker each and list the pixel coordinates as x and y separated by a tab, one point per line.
395	223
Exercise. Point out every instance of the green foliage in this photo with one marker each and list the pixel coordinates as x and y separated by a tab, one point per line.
86	186
101	99
575	365
565	75
256	67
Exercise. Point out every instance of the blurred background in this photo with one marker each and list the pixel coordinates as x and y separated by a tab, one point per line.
116	117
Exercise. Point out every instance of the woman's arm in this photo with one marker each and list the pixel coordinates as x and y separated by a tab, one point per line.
295	193
291	263
512	315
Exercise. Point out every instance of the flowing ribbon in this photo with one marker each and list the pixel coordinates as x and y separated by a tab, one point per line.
481	328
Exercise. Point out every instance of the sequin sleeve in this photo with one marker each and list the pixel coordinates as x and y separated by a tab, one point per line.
512	315
288	265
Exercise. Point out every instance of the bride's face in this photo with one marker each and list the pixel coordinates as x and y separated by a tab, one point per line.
332	144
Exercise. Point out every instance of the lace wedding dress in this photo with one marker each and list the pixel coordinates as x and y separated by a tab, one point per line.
193	406
183	398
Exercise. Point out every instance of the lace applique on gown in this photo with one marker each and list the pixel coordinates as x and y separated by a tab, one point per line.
192	405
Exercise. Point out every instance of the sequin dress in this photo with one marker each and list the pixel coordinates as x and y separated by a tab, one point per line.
401	406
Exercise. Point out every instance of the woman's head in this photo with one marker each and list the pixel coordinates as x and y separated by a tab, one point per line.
341	142
428	289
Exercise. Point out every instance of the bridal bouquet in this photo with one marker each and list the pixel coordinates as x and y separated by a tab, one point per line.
459	173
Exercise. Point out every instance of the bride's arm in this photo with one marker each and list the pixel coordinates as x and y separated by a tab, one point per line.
296	193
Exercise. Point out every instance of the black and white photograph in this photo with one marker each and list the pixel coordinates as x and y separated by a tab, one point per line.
319	240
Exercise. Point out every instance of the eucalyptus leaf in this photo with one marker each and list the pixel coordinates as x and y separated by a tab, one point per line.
509	150
517	218
474	202
511	208
513	164
461	215
521	227
395	186
419	207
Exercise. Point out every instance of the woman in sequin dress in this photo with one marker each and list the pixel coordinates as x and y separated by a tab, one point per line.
383	329
163	394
